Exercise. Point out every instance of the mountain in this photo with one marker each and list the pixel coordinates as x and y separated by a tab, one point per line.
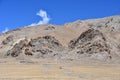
93	39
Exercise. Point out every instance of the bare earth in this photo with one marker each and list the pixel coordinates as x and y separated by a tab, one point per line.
58	70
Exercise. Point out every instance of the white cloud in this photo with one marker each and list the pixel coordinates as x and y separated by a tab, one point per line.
6	29
45	19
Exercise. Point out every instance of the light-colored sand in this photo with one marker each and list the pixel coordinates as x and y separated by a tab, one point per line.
54	70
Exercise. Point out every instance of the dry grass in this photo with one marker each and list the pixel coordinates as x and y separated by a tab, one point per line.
54	70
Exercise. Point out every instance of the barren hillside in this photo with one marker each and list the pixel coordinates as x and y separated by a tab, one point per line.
80	50
97	39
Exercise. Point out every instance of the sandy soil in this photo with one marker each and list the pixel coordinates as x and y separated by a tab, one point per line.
58	70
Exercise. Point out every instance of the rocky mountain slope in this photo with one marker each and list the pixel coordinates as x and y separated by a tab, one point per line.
94	39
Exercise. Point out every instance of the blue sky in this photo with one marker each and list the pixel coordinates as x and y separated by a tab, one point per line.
20	13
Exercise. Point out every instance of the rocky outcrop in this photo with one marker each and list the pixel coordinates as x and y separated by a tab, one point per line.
86	36
46	45
43	46
91	43
45	42
17	48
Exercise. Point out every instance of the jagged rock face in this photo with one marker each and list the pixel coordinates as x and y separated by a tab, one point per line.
86	36
43	46
91	43
45	42
17	48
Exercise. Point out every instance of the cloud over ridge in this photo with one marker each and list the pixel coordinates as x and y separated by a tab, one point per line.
45	19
